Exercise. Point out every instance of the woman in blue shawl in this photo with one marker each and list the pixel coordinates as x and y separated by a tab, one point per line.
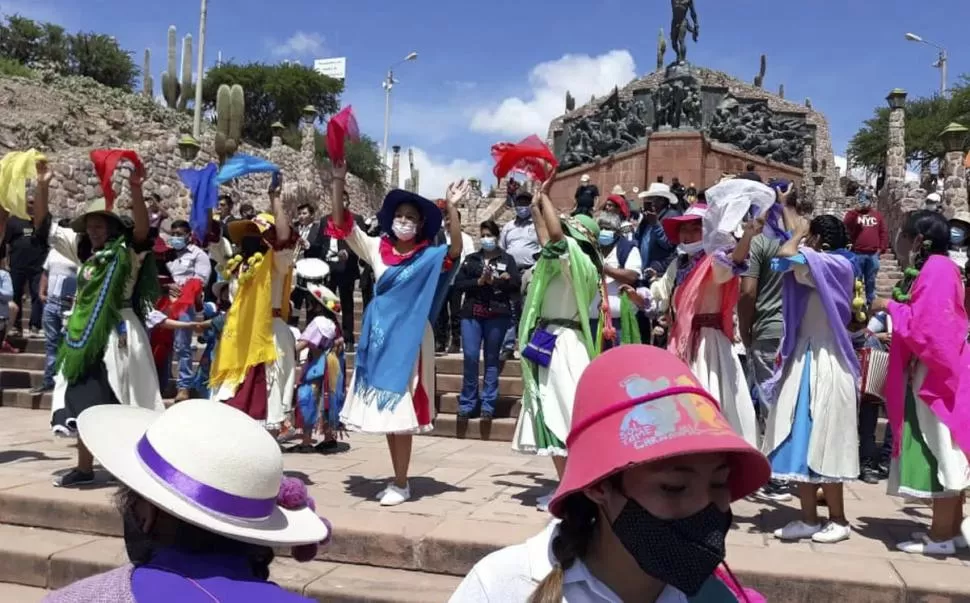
392	390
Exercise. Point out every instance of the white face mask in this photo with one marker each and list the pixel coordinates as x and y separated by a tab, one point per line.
404	230
691	249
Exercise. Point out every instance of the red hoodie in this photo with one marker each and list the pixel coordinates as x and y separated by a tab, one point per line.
867	231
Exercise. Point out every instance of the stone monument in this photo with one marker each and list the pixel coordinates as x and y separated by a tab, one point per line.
680	25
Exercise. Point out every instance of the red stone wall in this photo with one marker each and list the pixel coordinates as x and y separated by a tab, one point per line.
689	156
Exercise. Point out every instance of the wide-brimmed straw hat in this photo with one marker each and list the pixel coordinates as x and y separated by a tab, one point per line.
639	404
257	227
227	480
671	226
98	207
659	189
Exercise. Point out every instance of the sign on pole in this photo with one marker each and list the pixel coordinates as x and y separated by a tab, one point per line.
334	67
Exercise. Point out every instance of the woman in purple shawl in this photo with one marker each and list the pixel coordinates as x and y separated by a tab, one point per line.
811	436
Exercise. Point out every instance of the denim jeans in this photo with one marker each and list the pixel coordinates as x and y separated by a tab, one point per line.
182	350
869	265
53	323
487	333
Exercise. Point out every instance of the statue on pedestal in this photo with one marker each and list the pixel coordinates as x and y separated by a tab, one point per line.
679	26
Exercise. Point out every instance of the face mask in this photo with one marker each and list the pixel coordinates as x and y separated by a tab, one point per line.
404	230
957	236
488	243
178	243
607	238
680	552
523	212
691	249
138	545
865	204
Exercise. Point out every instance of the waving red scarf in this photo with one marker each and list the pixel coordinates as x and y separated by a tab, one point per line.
531	157
105	162
341	126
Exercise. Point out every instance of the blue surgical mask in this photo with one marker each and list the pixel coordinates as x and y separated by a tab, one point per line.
957	236
523	212
488	243
607	238
178	243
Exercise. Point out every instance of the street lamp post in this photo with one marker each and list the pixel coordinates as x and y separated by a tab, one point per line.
388	85
941	62
197	118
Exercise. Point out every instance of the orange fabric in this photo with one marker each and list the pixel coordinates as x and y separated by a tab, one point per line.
686	305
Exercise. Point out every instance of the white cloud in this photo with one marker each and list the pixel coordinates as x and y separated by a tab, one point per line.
436	173
859	174
300	44
582	75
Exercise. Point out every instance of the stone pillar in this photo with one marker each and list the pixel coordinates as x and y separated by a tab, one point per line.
474	199
896	151
818	198
396	166
807	168
955	185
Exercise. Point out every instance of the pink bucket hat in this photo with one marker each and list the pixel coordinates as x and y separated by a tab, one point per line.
638	404
671	226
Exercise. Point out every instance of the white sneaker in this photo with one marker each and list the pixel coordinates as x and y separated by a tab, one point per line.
542	503
381	494
959	542
395	496
925	546
831	533
797	530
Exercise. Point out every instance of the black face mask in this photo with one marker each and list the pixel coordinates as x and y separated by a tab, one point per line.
137	543
680	552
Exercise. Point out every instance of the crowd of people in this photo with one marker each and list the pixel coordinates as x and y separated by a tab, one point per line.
680	349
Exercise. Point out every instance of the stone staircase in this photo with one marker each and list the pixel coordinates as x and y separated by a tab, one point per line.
889	274
19	373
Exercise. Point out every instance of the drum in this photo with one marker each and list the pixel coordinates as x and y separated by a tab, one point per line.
874	364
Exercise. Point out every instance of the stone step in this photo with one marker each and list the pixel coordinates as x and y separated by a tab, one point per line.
435	543
449	426
41	559
17	593
505	406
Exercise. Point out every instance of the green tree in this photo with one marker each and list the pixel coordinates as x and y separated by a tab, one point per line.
273	93
363	157
925	119
100	58
29	42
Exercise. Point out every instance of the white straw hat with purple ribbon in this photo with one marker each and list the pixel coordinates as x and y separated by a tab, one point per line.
209	464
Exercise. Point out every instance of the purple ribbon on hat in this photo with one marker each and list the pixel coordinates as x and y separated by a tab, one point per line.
203	495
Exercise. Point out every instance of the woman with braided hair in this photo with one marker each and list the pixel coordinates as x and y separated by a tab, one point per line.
927	386
645	502
811	435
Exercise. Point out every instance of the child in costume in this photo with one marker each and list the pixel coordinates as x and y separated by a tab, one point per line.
811	434
322	385
927	385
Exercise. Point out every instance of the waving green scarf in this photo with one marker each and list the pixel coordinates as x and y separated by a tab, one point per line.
585	280
629	327
97	309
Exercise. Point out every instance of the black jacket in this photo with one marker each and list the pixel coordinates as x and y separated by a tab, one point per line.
320	248
488	301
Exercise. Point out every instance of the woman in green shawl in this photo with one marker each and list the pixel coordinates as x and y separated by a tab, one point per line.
105	357
554	330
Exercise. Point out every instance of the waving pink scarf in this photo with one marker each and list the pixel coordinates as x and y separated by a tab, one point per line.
933	327
687	302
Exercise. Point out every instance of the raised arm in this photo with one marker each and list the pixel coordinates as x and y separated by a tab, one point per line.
139	211
338	182
542	233
41	195
283	229
456	192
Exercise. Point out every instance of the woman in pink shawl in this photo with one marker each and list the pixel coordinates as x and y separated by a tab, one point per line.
928	385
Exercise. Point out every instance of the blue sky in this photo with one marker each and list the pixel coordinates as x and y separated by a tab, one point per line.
490	71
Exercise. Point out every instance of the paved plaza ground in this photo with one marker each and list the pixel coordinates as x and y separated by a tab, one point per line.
470	497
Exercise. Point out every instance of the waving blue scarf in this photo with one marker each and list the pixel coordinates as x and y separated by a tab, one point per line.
205	194
406	297
240	165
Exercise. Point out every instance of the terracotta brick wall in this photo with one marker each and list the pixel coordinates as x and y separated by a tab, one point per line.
688	156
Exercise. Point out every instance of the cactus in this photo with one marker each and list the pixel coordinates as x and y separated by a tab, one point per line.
808	103
170	83
781	90
661	49
148	83
759	79
230	109
185	87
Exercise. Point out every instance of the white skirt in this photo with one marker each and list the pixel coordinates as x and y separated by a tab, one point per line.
557	393
280	379
364	417
131	371
719	371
